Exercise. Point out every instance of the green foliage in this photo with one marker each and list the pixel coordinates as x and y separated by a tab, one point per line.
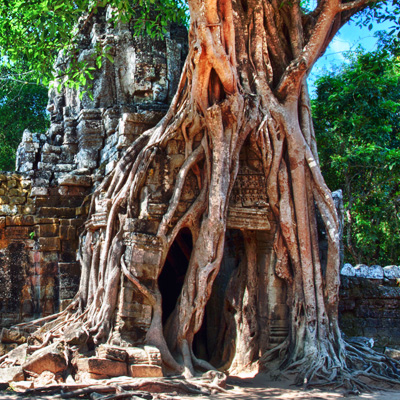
35	31
357	123
22	106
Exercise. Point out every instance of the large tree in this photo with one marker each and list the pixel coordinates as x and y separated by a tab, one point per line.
244	80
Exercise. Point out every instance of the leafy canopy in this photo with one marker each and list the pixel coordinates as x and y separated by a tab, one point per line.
34	31
22	106
357	123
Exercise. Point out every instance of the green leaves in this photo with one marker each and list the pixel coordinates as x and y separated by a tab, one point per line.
22	106
34	32
357	123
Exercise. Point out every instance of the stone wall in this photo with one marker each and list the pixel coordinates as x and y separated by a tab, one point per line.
38	241
370	303
44	205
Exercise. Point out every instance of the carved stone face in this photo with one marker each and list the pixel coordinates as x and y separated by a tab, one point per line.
143	73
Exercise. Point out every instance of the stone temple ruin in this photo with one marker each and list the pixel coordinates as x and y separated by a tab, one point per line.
45	203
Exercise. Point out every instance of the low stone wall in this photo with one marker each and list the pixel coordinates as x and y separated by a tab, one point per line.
370	303
38	240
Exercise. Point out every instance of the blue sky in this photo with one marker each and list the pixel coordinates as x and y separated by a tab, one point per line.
348	39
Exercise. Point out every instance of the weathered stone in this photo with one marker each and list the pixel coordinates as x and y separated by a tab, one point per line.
375	272
393	353
101	366
112	353
145	371
391	272
21	386
12	336
39	191
26	220
348	270
6	347
11	374
75	180
50	358
147	355
44	379
361	270
49	243
19	354
75	335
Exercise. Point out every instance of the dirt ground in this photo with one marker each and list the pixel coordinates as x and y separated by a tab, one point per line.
258	387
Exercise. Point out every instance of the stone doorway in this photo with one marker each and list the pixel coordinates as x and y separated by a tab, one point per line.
171	279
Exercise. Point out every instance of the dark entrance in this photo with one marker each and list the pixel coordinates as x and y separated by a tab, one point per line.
208	341
173	274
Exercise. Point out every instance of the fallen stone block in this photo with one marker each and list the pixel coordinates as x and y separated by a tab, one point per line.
13	336
7	347
101	366
18	355
50	358
112	353
393	353
348	270
75	335
361	270
149	355
44	379
145	371
375	272
21	386
11	374
391	272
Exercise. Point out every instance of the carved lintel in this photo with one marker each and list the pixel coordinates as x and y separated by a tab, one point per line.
248	218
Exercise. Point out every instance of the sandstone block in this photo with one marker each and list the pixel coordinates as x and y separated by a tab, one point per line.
12	336
50	358
112	353
145	371
14	192
391	272
148	355
48	230
22	386
49	244
361	270
75	180
58	212
11	374
39	191
19	354
7	347
393	353
375	272
101	366
18	220
348	270
17	200
75	335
